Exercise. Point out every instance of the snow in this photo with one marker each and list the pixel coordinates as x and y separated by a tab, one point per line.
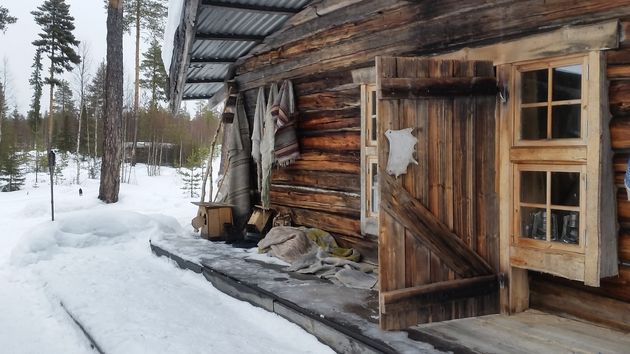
175	8
95	259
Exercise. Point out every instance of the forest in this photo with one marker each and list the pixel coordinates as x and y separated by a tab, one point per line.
71	123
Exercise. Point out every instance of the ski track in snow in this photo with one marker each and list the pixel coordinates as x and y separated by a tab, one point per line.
95	258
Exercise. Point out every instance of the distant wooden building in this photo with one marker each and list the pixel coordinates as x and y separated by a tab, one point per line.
521	110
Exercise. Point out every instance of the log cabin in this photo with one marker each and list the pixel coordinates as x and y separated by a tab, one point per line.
521	112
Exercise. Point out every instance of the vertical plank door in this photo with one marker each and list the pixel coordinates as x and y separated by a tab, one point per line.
438	223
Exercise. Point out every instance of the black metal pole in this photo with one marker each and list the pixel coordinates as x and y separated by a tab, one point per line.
51	169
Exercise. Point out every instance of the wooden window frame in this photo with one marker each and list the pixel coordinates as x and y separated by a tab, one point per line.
591	259
582	60
518	239
369	154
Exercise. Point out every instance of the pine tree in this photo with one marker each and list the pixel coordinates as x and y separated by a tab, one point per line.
148	15
155	78
110	167
5	19
11	172
96	101
191	172
65	112
58	42
34	114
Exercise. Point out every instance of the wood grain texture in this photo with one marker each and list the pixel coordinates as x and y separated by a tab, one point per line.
413	28
438	205
558	297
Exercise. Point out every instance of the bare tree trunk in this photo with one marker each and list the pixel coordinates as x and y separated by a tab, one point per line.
77	158
136	95
123	166
83	77
160	161
209	168
51	168
110	169
98	113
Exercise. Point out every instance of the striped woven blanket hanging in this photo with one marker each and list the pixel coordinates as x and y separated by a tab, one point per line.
286	148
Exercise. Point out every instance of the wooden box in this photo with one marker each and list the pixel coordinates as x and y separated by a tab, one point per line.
259	219
211	219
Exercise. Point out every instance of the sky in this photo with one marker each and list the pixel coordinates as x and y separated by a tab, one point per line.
17	51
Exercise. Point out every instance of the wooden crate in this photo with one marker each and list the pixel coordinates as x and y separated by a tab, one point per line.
211	219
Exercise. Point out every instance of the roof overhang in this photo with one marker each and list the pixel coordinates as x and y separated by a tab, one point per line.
211	35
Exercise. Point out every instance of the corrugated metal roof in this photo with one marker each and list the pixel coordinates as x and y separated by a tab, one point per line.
214	23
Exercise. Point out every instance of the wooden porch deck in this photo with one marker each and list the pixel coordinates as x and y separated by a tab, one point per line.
529	332
347	319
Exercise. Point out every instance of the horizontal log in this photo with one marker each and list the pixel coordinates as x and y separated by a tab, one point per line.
329	100
321	82
437	293
618	287
327	31
339	224
619	97
368	248
624	34
348	204
429	231
620	132
348	162
341	141
624	247
623	207
618	71
618	56
345	182
424	34
417	88
555	295
326	120
620	163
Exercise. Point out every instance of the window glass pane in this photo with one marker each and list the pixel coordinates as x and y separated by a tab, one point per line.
534	123
567	228
534	187
565	123
565	188
534	86
567	83
533	223
374	187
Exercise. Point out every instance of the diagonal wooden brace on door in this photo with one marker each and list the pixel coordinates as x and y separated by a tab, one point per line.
432	233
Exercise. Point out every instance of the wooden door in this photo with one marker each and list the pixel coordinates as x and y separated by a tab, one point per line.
438	223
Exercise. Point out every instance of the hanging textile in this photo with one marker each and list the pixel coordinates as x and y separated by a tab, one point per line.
626	180
257	132
239	150
286	149
267	148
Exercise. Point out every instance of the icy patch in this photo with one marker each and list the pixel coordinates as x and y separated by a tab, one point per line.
89	229
265	257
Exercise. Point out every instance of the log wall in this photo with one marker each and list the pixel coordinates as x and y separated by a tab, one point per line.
319	48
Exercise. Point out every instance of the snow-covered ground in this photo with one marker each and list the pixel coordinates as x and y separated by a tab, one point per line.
95	260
